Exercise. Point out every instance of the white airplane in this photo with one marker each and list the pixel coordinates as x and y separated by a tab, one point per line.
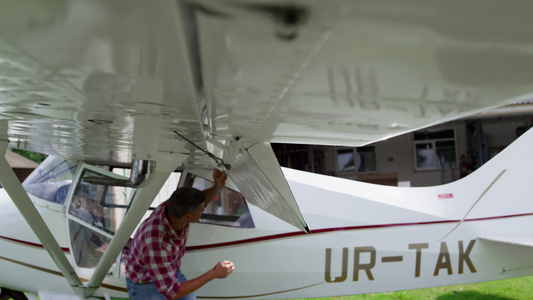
145	87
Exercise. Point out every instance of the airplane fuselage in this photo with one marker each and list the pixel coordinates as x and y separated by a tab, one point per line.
365	238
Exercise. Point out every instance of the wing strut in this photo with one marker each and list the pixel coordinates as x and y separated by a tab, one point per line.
24	204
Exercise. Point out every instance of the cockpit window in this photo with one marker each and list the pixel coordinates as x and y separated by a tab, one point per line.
102	206
228	209
95	213
51	180
88	246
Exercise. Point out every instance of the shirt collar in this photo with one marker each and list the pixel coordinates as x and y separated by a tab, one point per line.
169	230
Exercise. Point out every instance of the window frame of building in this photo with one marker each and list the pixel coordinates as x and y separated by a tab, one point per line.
437	145
356	157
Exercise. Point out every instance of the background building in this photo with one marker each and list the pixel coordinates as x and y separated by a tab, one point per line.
431	156
21	165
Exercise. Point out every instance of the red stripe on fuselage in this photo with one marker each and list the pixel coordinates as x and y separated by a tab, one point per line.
301	233
30	243
349	228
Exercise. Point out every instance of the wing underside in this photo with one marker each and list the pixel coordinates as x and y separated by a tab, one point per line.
86	80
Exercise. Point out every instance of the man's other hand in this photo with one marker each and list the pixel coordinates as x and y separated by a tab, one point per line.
223	269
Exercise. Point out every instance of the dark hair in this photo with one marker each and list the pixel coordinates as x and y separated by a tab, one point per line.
184	200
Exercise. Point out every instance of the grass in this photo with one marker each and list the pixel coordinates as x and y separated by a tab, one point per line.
509	289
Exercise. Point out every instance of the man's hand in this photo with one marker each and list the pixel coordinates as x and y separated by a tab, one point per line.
219	177
223	269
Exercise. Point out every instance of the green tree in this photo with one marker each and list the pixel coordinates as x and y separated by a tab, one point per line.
36	157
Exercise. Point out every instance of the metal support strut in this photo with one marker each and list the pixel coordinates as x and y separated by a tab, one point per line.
22	201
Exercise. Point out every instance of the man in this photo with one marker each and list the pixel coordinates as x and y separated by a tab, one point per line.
154	259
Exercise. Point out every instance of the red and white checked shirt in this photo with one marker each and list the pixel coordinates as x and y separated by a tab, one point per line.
155	253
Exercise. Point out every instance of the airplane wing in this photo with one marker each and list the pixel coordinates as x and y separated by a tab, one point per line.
112	81
122	81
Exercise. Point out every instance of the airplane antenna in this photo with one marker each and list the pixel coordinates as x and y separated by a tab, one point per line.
218	160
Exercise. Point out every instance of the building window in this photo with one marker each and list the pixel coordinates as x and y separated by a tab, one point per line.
366	159
435	149
345	160
361	159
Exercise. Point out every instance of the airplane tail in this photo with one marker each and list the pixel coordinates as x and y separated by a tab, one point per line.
501	188
506	191
503	183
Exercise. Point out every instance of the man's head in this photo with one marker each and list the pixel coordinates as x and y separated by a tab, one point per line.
186	200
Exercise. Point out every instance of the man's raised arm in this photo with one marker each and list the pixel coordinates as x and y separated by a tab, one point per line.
211	193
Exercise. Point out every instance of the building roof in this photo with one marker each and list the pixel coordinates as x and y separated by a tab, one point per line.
517	108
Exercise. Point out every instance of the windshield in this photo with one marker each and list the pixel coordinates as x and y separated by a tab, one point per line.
51	180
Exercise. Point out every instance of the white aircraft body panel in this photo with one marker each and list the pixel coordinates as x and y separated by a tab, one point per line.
30	266
416	237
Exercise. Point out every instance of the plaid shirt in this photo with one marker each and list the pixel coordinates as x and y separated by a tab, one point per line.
155	253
